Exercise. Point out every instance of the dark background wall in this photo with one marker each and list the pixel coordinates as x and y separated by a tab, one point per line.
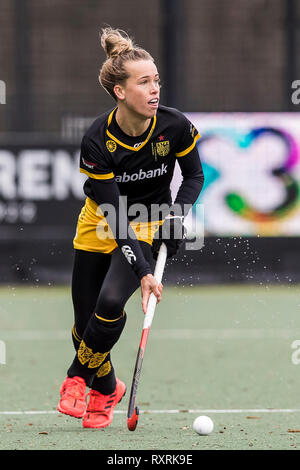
213	56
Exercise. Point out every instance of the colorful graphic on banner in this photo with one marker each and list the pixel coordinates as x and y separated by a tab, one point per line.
252	173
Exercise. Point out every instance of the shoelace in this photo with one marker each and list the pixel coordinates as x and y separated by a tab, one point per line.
100	403
76	391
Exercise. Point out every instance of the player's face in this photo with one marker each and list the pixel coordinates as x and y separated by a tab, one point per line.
141	89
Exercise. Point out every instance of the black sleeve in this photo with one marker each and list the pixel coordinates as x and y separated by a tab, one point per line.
193	179
93	162
188	136
107	192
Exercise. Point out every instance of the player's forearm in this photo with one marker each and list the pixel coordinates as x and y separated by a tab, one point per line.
193	179
188	194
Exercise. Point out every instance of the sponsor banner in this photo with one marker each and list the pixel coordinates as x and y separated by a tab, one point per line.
252	180
252	173
39	187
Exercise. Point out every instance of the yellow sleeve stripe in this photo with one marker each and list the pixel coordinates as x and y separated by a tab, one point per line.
189	149
107	176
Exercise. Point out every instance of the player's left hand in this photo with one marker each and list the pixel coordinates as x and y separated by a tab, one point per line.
172	233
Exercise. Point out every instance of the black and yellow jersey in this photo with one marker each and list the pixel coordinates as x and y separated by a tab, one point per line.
140	168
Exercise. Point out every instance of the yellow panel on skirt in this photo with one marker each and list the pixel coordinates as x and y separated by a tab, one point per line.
94	234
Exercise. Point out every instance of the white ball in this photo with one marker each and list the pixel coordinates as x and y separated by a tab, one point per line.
203	425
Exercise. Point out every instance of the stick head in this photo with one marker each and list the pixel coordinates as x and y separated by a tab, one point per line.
133	420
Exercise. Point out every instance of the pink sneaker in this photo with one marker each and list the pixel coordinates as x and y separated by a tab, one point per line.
100	410
73	397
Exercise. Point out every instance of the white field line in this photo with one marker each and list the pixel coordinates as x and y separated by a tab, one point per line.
171	334
199	412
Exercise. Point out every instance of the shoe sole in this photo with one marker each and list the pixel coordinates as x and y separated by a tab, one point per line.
106	425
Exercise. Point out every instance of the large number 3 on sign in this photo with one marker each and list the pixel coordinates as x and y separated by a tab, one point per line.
235	200
239	204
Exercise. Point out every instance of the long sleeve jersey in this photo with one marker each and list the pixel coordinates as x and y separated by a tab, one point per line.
132	173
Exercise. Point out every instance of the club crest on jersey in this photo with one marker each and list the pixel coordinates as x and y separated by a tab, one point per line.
163	148
111	145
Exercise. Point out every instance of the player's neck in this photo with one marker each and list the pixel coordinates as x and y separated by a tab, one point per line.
131	124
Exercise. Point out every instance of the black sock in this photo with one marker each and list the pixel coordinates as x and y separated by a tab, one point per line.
105	379
98	339
76	338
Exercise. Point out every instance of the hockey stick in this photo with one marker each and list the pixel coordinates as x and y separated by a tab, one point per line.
133	411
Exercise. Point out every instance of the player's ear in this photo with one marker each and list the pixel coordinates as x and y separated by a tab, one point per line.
119	92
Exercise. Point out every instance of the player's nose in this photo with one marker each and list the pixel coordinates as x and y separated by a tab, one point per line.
154	90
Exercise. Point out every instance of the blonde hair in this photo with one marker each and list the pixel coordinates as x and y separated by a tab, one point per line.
119	48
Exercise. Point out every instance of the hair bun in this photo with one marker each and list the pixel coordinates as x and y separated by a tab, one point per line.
115	42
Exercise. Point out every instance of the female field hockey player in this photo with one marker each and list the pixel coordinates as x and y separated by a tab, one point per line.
128	155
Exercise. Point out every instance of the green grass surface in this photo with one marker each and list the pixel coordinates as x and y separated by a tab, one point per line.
210	348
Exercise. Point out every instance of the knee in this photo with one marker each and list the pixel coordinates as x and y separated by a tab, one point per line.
109	306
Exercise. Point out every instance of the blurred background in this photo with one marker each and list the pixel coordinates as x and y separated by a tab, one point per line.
230	65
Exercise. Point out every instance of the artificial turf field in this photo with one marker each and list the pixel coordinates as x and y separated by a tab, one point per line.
222	351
